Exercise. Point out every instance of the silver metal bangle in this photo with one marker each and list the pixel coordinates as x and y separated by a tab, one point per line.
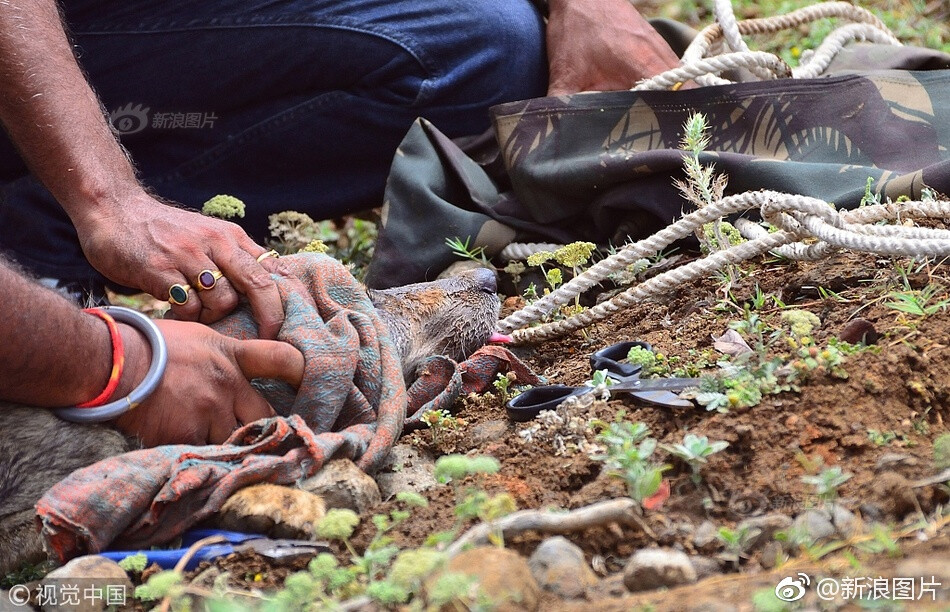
153	377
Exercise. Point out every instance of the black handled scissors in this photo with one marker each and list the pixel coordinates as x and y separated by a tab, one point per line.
626	376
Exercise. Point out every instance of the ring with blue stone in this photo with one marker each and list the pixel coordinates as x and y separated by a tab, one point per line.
178	294
207	279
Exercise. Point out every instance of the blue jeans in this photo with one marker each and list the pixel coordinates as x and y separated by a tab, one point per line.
286	104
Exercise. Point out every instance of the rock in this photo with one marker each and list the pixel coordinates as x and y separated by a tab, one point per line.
871	512
487	432
767	526
343	485
653	568
705	539
406	469
772	553
845	522
705	566
858	331
503	575
559	566
815	524
85	584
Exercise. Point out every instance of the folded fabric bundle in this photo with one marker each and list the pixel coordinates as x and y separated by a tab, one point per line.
352	403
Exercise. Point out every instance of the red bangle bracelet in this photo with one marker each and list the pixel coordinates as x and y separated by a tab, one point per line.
118	360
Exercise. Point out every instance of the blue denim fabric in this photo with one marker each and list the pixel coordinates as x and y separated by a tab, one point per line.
286	104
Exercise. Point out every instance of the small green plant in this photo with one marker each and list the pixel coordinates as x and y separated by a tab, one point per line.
441	421
462	249
920	303
160	585
134	563
882	541
292	231
223	207
942	451
450	468
600	378
881	438
694	451
736	542
502	383
473	502
800	322
628	456
575	256
827	482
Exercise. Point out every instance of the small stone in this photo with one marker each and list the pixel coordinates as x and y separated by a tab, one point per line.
90	572
871	512
654	568
772	554
502	574
845	522
859	331
342	484
559	566
815	524
705	566
705	540
406	469
487	432
767	526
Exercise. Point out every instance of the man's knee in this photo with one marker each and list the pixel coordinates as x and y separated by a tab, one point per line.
492	52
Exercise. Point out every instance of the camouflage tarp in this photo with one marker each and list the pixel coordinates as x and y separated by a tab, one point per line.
601	166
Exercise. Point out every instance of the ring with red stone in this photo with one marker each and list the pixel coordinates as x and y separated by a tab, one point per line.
207	279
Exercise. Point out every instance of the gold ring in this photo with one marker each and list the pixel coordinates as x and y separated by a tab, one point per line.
178	294
207	279
270	253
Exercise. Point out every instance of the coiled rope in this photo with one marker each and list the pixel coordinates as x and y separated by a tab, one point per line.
797	217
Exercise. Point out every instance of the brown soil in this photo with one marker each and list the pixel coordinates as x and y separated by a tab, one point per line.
901	390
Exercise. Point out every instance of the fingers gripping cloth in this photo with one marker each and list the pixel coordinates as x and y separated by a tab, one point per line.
352	403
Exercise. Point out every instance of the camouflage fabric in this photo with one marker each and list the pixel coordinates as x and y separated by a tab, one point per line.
600	166
352	403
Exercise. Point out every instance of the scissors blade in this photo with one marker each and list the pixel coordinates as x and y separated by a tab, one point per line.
667	399
654	384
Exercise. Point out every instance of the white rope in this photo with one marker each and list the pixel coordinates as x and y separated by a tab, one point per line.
729	31
719	48
797	217
517	251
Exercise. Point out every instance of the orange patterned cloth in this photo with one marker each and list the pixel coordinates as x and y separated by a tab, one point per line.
352	403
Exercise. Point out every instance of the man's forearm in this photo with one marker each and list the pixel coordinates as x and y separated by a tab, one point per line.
51	353
53	115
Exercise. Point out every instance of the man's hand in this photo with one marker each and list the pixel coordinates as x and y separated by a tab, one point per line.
145	244
204	394
59	127
602	45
